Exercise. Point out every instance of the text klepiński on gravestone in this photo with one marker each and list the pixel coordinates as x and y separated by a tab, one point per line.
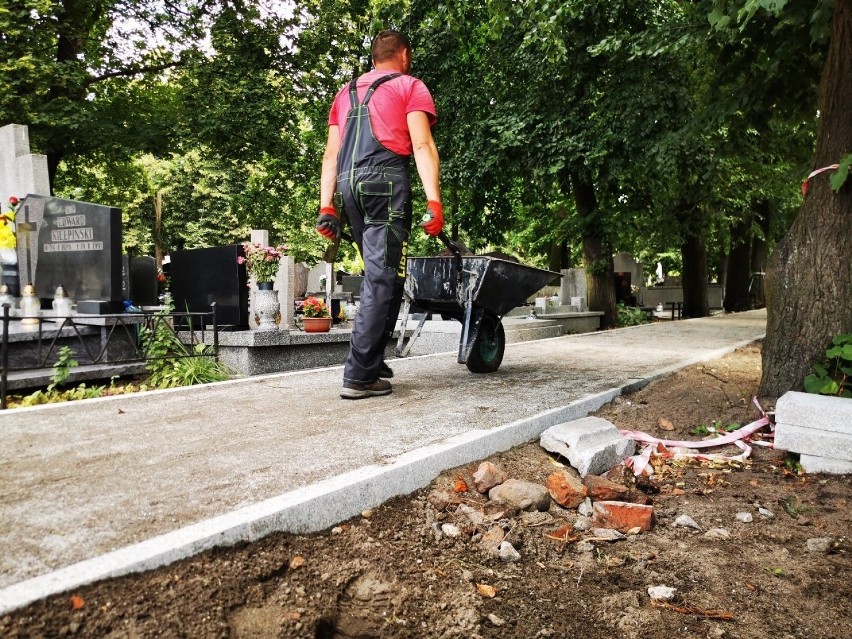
73	244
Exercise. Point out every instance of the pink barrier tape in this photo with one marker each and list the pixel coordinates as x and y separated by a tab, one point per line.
661	446
831	167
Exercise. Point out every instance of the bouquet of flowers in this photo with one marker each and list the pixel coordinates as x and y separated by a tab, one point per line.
314	307
262	261
7	225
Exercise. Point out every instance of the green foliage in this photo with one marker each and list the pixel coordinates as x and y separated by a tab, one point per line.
630	316
792	464
700	430
834	376
62	367
838	179
171	363
793	507
678	114
53	394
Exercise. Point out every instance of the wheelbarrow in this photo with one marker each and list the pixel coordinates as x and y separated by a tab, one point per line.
477	291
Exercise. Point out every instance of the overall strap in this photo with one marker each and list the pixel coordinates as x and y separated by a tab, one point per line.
353	88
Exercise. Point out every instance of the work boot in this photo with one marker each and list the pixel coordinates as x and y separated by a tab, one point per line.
385	371
352	390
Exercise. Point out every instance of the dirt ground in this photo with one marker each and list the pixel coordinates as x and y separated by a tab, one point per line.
394	572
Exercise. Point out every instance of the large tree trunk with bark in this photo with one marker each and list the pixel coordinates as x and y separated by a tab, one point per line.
597	252
693	253
739	265
760	254
809	277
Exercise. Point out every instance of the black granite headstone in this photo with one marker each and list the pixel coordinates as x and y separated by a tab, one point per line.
143	281
73	244
203	276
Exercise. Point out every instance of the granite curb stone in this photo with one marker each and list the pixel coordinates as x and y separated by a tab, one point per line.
592	445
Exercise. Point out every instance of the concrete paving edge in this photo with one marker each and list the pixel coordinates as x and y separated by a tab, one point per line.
324	504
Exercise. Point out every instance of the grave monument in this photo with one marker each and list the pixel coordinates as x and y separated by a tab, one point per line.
72	244
21	173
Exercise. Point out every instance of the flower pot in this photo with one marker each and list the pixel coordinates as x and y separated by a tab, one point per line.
267	309
264	286
317	324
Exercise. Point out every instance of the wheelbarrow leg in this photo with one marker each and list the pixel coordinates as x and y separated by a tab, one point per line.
406	307
404	351
470	329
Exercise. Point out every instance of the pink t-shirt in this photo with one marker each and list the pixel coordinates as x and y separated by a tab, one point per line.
389	107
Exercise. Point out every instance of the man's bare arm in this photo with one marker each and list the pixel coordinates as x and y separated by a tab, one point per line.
328	178
425	154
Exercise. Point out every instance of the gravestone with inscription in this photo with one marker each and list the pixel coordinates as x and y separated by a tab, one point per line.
139	280
73	244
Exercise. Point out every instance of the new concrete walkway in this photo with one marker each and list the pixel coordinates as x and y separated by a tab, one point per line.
104	487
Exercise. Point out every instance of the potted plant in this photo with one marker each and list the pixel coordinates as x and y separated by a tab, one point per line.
317	318
262	262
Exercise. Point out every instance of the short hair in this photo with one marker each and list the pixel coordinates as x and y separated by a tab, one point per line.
387	44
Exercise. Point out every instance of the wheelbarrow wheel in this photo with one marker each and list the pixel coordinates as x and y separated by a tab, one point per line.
487	352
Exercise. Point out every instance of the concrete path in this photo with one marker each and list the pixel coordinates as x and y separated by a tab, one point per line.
103	487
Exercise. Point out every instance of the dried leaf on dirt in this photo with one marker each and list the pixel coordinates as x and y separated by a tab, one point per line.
297	562
485	590
460	486
665	424
77	602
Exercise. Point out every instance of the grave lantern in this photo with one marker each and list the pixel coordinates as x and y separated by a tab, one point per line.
30	305
6	297
61	302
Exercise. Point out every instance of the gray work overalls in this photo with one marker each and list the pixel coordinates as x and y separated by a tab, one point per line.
373	190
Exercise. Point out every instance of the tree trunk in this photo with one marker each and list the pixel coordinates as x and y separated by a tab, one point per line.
597	252
739	265
557	256
759	254
809	276
693	252
694	276
158	229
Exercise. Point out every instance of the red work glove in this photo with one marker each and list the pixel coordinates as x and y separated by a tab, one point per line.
328	224
433	220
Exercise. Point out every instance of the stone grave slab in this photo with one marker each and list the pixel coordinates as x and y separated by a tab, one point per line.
73	244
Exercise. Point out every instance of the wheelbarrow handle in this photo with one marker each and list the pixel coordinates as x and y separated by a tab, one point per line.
456	251
450	244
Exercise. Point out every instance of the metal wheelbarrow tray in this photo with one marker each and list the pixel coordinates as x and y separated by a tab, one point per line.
475	290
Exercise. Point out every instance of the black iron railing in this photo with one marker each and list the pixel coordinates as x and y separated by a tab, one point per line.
108	339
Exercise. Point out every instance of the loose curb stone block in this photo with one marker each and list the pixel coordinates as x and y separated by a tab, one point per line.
815	464
591	444
812	441
819	428
820	412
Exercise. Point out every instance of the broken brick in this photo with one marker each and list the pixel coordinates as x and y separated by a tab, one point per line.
602	489
621	516
566	488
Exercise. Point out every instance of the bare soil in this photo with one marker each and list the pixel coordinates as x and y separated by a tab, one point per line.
389	574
